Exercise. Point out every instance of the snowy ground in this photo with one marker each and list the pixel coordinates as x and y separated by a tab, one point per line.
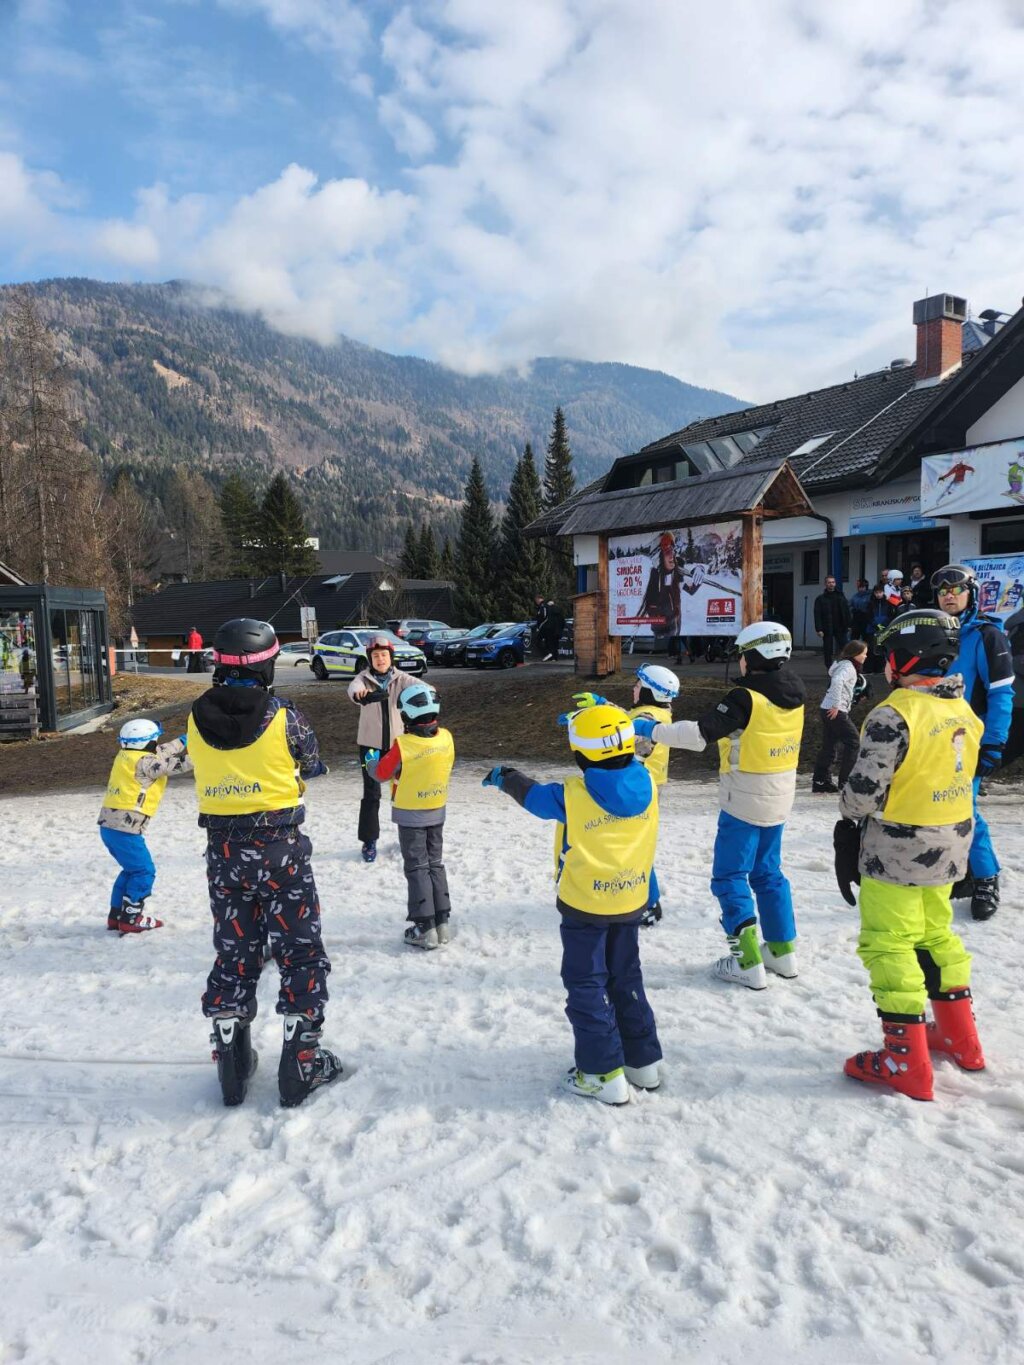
446	1204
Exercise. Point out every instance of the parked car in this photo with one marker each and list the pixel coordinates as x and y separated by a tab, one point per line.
435	640
296	655
566	641
454	653
411	628
343	653
504	649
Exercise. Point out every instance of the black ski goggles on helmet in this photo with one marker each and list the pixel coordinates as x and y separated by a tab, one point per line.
953	578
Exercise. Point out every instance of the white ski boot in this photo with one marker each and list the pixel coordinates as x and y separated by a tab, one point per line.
610	1089
644	1077
780	958
444	934
421	934
743	966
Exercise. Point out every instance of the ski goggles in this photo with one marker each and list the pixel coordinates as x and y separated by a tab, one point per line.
952	580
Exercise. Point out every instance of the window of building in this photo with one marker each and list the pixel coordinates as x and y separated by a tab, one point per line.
1002	538
722	452
811	566
812	443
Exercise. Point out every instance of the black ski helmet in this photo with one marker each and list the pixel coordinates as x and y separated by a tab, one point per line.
959	576
245	649
924	641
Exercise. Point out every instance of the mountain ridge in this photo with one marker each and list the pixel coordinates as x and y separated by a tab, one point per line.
372	439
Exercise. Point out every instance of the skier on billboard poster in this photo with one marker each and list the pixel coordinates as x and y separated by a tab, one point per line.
661	603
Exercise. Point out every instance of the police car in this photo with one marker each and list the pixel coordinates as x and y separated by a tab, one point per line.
343	653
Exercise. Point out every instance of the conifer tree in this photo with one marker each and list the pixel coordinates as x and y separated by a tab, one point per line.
428	559
239	514
559	486
409	559
473	581
447	563
282	532
523	562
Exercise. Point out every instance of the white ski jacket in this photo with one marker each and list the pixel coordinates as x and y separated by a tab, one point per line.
842	681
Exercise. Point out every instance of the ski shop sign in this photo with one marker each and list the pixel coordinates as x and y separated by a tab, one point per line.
667	583
1000	583
975	479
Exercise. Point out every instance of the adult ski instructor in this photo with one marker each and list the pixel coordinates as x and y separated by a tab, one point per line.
985	663
251	751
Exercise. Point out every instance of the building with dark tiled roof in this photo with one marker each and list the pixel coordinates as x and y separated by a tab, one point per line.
857	449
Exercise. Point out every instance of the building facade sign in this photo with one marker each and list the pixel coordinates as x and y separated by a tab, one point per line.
975	479
884	511
676	582
1000	583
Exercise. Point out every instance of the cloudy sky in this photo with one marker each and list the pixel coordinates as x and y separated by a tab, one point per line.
748	194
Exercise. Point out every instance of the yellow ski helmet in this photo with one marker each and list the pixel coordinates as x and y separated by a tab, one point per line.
600	732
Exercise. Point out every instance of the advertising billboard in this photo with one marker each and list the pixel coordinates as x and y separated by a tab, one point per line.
976	479
676	582
1000	583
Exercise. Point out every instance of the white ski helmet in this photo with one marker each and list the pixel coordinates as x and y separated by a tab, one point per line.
767	639
661	682
136	734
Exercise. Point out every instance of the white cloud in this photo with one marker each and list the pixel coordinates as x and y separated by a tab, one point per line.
748	195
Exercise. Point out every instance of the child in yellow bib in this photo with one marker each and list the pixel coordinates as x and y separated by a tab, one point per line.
607	828
135	789
906	837
419	765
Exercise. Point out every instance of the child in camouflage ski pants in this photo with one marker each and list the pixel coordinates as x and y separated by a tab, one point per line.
262	891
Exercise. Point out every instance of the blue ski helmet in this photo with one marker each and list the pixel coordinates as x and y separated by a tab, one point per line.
137	734
418	703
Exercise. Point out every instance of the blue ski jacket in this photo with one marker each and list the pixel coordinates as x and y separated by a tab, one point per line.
985	663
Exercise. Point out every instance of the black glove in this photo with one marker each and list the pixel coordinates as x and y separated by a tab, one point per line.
846	842
990	757
368	698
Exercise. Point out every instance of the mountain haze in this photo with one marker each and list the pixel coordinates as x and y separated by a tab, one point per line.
371	439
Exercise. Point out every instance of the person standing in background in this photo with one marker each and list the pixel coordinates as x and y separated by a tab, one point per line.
831	620
860	606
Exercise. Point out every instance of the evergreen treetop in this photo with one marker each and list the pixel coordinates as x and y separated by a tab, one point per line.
473	579
523	561
282	544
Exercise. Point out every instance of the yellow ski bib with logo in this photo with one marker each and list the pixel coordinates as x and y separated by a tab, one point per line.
261	776
769	744
126	792
427	762
606	867
934	783
656	761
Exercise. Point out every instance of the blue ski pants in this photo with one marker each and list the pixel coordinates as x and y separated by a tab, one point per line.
983	860
138	871
748	864
606	1004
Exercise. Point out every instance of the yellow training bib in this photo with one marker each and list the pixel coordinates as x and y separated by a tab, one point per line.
769	744
606	868
261	776
426	767
934	783
126	792
656	761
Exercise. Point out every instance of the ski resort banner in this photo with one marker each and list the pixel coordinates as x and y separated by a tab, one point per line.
976	479
1000	583
667	583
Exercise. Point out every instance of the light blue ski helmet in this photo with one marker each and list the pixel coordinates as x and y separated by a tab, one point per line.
418	703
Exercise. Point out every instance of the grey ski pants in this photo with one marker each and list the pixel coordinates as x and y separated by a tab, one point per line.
422	852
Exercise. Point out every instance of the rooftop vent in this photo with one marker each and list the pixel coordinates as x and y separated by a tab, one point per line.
900	364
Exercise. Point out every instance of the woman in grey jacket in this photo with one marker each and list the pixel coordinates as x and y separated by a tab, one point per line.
376	689
844	688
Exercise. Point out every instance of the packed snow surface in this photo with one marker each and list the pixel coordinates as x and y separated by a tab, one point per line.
446	1203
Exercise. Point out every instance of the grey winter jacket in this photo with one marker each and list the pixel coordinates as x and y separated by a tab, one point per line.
168	760
842	680
906	855
371	721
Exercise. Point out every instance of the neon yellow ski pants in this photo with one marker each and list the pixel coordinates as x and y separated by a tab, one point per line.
907	945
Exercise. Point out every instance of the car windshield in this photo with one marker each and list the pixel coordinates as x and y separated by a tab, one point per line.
500	630
365	636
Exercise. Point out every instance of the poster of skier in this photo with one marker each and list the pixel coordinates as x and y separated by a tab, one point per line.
1000	583
975	479
670	583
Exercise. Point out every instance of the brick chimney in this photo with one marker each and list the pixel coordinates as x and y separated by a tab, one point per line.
939	321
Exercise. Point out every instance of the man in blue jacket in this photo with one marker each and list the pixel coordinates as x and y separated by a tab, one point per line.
985	663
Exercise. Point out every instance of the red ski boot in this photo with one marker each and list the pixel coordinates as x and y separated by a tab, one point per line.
954	1031
903	1063
132	919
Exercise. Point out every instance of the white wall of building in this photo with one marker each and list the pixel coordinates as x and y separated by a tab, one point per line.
1004	419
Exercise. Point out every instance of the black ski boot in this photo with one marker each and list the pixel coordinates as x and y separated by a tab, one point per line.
651	916
305	1065
963	890
235	1058
985	899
